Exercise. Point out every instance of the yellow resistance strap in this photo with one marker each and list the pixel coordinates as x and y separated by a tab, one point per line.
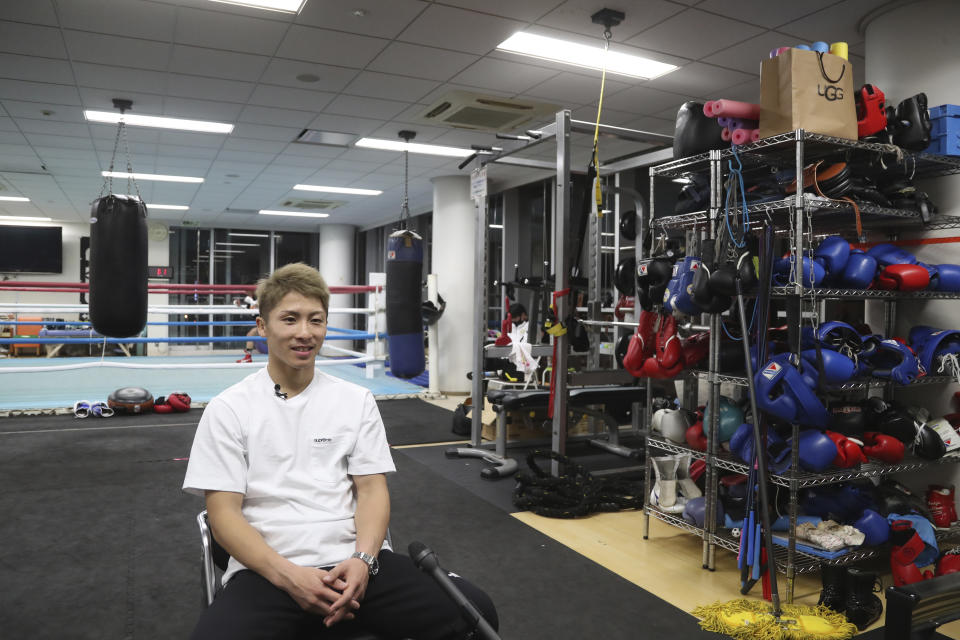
598	195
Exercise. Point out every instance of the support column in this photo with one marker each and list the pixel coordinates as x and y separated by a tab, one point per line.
336	267
454	238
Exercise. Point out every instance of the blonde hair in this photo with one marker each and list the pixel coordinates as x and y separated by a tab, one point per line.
291	278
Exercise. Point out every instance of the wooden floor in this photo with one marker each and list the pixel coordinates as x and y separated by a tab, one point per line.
667	564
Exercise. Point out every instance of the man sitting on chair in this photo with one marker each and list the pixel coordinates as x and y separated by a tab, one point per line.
292	462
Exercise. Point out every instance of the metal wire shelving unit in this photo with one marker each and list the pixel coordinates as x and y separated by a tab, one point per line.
803	216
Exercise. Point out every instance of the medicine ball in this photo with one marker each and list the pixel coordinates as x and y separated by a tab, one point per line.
621	349
624	277
131	400
731	417
628	225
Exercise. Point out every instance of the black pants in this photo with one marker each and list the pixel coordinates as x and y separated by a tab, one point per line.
401	602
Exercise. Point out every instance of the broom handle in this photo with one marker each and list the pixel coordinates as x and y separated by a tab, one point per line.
763	477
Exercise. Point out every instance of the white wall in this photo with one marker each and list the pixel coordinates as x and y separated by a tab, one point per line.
910	50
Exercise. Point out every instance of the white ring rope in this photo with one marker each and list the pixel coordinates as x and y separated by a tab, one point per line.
24	307
210	365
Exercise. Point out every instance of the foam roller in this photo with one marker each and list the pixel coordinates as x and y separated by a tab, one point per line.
742	136
734	109
725	135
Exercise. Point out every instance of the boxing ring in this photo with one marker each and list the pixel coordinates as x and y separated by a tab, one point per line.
54	383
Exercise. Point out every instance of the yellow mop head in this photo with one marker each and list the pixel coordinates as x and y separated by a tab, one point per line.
753	620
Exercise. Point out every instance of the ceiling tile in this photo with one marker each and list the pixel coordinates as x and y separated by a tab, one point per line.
837	23
191	139
574	16
574	89
114	78
694	34
747	92
102	100
36	111
30	68
747	55
763	12
391	87
250	157
643	100
512	77
217	64
151	21
266	132
702	80
424	62
270	96
113	50
527	11
425	133
217	30
187	86
364	108
33	40
276	117
32	11
330	47
201	109
174	150
382	18
459	30
13	137
346	124
295	153
37	92
285	72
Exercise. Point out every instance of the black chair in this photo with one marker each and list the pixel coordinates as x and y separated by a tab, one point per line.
914	611
213	562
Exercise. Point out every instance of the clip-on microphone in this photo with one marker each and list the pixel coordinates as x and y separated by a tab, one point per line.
278	393
426	560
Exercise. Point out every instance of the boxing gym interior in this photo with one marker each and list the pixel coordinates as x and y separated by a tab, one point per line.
637	381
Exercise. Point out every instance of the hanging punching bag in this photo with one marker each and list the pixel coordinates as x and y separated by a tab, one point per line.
404	322
118	265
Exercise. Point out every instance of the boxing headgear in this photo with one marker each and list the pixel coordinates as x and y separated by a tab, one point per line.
896	361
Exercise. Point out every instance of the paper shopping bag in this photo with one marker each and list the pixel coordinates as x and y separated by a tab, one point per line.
807	90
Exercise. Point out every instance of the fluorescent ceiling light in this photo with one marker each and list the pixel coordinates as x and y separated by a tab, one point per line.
149	176
582	55
239	244
14	199
172	207
413	147
248	235
298	214
157	121
495	226
31	219
286	6
350	190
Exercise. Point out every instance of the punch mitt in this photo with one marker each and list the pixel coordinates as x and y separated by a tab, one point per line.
928	444
903	277
674	424
882	447
624	276
694	512
817	451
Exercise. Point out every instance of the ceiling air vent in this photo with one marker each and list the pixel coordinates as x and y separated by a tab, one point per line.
313	204
466	110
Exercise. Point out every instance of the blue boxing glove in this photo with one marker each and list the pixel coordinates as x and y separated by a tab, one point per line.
859	270
948	278
837	367
817	450
887	254
832	255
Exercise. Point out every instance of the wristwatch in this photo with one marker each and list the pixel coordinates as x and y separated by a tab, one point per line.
371	561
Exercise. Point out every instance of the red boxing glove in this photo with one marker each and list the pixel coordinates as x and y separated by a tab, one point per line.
180	401
903	277
161	405
695	436
669	350
653	369
849	453
695	348
949	562
882	447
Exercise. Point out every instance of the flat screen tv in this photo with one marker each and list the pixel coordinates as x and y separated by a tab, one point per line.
31	249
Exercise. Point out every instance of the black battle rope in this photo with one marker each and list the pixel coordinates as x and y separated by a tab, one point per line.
574	494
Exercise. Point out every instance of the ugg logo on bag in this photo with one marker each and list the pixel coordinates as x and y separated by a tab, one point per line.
830	92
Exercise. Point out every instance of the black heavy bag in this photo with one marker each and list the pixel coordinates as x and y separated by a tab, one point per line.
404	322
694	132
118	265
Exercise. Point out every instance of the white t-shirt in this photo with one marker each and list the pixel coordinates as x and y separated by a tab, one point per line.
292	460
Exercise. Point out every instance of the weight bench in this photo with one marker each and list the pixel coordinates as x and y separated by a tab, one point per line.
914	611
579	399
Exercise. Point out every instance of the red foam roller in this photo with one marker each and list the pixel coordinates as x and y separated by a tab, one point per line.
755	135
734	109
725	135
708	109
741	136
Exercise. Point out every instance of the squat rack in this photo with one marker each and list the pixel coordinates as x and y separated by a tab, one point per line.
559	132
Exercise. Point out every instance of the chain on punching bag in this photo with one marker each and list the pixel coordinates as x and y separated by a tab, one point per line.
118	255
